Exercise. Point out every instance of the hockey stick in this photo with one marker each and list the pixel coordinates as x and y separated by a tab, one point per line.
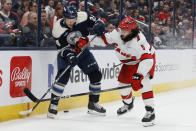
34	99
27	92
39	100
114	66
142	23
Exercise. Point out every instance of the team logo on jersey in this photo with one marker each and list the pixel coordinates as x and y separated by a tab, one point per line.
20	75
73	37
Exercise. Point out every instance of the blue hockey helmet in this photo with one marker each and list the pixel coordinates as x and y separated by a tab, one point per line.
69	12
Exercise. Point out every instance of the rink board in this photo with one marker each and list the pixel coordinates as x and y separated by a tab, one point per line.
175	69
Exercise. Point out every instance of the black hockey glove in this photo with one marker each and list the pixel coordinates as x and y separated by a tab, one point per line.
99	28
137	81
72	59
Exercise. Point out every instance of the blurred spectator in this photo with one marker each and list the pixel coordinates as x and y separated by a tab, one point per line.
137	16
89	5
97	11
169	29
0	4
144	12
160	6
156	20
184	26
103	4
23	8
183	7
9	21
179	15
189	14
32	8
127	3
109	27
81	6
29	32
46	32
142	3
186	40
58	14
50	10
129	11
15	5
153	35
164	14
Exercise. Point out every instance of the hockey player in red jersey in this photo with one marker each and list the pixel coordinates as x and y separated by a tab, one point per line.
138	58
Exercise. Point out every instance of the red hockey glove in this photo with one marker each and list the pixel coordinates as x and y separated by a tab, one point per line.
80	44
137	79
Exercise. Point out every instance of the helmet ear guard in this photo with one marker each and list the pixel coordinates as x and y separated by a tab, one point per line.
69	12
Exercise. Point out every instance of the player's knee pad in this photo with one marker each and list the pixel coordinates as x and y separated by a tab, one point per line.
126	93
58	89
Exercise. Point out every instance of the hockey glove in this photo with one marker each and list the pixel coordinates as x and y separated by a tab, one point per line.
99	28
136	83
72	59
80	44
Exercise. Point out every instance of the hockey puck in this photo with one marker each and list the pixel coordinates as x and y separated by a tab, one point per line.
65	111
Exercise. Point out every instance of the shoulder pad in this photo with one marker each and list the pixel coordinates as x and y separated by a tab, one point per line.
82	16
58	30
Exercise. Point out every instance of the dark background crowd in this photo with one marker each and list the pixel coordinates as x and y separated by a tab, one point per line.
19	20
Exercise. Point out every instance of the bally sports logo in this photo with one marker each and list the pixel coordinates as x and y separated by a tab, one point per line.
20	75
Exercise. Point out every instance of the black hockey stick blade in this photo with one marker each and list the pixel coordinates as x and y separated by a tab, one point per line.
30	95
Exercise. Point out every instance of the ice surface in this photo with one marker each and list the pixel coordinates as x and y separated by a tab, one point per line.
175	110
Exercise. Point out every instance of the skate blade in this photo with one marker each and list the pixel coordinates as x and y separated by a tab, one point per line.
51	116
92	112
147	124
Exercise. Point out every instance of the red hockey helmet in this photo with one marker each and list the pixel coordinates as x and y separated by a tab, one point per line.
128	24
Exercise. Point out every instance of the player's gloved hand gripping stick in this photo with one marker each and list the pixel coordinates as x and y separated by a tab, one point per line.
28	93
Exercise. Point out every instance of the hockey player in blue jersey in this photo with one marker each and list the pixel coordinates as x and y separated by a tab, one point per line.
70	31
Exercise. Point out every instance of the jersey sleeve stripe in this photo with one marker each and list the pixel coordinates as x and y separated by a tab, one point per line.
104	39
146	56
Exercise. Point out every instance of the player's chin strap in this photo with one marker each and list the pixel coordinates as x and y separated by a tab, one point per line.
39	100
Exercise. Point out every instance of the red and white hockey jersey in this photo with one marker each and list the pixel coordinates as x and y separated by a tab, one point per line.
133	52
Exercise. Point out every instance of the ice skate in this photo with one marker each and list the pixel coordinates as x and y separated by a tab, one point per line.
149	117
52	111
126	107
96	109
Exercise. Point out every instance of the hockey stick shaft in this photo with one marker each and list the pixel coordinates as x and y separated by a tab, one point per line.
142	23
130	62
117	65
27	92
